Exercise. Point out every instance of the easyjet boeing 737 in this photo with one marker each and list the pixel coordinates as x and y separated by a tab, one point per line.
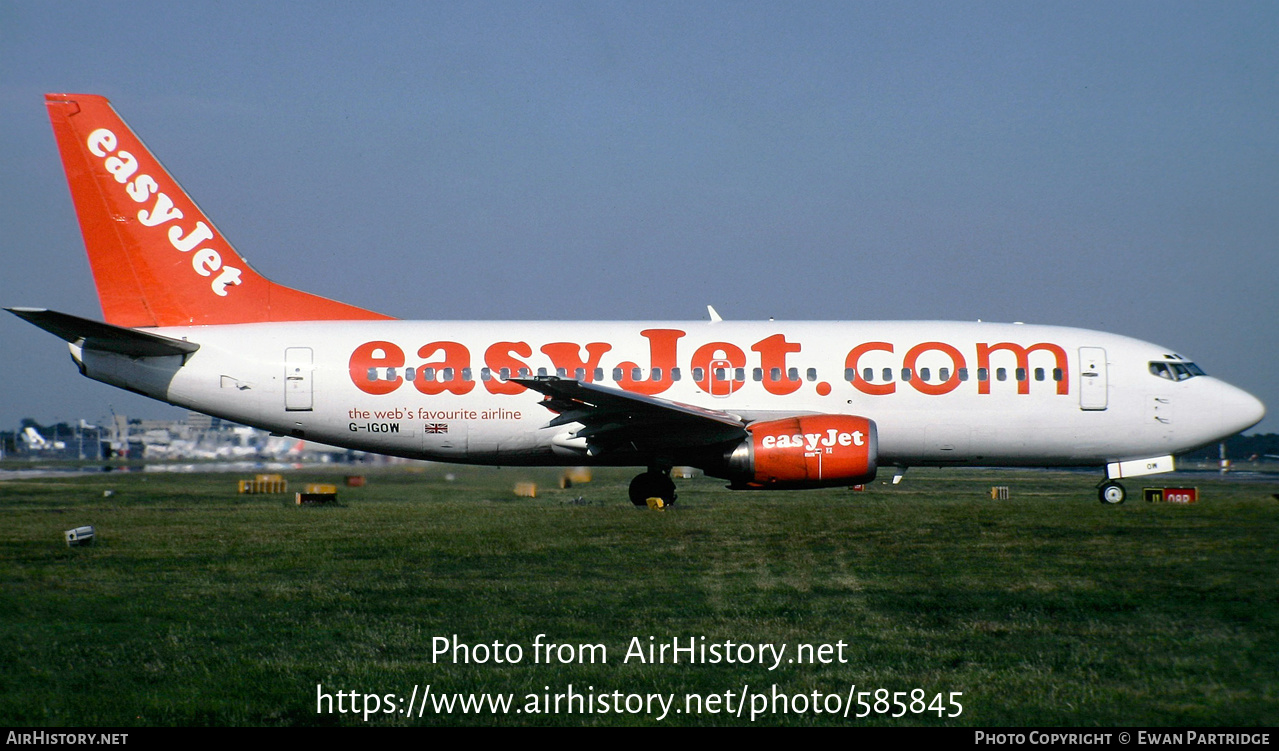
763	405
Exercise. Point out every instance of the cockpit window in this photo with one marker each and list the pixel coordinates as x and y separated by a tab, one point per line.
1175	371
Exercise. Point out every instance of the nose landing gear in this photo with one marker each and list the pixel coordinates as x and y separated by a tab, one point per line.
1111	493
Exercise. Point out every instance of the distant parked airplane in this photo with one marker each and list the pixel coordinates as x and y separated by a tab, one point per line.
36	442
768	405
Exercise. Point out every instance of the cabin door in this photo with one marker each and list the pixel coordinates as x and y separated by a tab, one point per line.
298	396
1092	378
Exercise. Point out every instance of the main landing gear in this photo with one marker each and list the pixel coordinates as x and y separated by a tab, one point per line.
1111	493
655	484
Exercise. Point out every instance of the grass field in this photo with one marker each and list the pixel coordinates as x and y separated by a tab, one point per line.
200	606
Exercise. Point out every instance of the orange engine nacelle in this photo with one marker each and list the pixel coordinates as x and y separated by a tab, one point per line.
806	452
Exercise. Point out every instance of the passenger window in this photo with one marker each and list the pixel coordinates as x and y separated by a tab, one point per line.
1001	374
812	374
599	374
446	375
924	375
983	374
963	374
428	374
390	374
792	374
888	374
943	374
674	374
868	374
466	374
774	374
698	374
656	374
617	374
1058	375
739	374
1039	374
486	374
757	374
541	372
525	372
372	374
906	374
637	374
719	374
1021	374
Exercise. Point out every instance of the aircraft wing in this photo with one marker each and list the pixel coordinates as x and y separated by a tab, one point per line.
615	418
96	335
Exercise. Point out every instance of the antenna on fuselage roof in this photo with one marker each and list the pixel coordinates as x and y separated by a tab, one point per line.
715	316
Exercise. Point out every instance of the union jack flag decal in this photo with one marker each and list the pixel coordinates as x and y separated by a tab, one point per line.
437	427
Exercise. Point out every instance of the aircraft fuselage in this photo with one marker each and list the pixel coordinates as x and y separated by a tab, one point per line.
942	393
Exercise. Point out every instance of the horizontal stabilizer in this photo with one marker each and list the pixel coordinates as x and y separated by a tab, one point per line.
104	337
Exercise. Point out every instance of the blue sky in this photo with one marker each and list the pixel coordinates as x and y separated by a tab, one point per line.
1106	165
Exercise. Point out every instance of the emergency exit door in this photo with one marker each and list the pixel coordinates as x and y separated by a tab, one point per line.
297	379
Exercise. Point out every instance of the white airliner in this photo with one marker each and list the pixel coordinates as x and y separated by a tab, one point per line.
770	405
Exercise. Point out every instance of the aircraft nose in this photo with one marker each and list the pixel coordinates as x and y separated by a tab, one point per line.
1240	409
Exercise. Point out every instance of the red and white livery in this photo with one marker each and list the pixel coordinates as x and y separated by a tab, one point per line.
769	405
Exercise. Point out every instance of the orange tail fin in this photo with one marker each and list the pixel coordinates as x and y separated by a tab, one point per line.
157	259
